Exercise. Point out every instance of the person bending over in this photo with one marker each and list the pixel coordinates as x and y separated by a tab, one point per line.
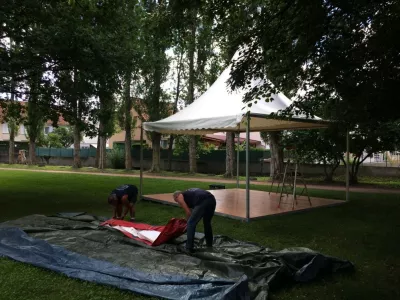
198	204
124	196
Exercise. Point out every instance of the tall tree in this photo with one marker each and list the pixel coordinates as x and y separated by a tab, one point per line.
119	47
223	35
274	139
74	92
106	123
179	73
191	85
157	38
203	61
40	106
13	114
127	122
230	154
13	123
103	29
34	125
128	105
342	55
230	142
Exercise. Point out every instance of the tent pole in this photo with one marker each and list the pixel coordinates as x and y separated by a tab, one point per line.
237	159
247	168
347	164
141	163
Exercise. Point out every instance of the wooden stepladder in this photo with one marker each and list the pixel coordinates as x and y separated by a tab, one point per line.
290	177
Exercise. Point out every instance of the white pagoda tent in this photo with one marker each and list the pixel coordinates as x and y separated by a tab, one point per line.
221	109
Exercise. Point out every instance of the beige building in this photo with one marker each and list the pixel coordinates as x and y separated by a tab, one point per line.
5	135
22	136
119	137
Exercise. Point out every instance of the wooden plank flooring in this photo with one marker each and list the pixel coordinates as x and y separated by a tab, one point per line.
232	203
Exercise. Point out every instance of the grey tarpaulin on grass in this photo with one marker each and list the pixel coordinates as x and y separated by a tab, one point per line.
218	271
17	245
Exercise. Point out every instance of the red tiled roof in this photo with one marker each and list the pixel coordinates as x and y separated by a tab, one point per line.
1	110
139	105
60	122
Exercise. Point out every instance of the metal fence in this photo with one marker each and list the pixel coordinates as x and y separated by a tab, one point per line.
215	155
64	152
384	159
4	148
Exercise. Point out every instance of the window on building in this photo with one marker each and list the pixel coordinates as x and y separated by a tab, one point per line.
22	129
47	130
5	128
164	144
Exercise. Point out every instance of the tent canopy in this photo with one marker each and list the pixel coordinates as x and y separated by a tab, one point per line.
221	109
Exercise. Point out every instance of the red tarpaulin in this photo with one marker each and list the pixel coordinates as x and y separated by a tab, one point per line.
174	229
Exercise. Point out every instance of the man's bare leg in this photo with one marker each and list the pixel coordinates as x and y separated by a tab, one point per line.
119	210
132	211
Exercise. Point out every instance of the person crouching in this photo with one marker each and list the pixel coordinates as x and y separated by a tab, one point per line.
198	204
124	198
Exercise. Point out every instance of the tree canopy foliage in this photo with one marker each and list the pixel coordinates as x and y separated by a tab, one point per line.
339	59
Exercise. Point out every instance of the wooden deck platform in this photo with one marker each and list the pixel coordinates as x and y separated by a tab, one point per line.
232	203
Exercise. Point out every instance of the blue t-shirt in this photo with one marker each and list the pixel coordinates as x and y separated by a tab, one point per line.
194	196
126	189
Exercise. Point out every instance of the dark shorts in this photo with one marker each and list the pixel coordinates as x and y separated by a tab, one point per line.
130	190
132	198
132	194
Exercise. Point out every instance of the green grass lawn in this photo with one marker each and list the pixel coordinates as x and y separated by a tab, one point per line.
364	181
365	231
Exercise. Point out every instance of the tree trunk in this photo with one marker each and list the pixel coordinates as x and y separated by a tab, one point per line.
36	116
102	152
328	178
328	175
155	114
192	154
128	151
230	154
276	165
100	156
11	144
98	150
12	126
96	162
106	123
156	139
170	150
32	149
353	176
192	49
101	163
77	147
128	122
177	93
